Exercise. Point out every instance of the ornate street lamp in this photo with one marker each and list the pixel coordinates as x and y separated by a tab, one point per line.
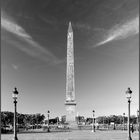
103	121
57	121
15	94
93	124
48	120
128	96
123	121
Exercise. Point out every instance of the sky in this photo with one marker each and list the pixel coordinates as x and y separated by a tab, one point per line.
106	53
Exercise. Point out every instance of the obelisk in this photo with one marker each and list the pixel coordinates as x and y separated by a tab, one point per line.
70	103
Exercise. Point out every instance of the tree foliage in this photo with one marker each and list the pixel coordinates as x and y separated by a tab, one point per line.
115	119
22	119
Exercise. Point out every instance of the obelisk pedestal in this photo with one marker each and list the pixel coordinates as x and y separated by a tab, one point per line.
70	113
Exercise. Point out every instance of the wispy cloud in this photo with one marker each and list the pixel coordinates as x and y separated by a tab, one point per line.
33	48
11	26
121	31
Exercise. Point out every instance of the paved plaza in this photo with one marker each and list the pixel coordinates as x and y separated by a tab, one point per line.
74	135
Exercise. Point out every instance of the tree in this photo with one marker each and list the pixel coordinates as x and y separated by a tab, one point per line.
7	118
89	120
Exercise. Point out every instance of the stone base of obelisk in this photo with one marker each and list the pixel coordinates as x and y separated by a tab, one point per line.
70	114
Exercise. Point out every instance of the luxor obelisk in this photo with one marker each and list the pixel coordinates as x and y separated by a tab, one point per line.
70	103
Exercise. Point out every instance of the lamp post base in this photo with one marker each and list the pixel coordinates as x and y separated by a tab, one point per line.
93	129
15	138
48	129
129	138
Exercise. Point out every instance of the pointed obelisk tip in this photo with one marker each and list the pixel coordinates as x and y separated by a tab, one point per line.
70	27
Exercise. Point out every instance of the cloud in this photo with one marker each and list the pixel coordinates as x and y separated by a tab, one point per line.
121	31
12	27
33	48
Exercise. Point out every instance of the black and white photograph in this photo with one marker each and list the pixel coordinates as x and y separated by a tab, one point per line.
70	70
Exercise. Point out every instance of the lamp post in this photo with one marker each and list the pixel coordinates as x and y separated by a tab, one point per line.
114	122
15	94
48	120
57	121
138	119
128	96
123	121
18	115
93	124
103	120
108	122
